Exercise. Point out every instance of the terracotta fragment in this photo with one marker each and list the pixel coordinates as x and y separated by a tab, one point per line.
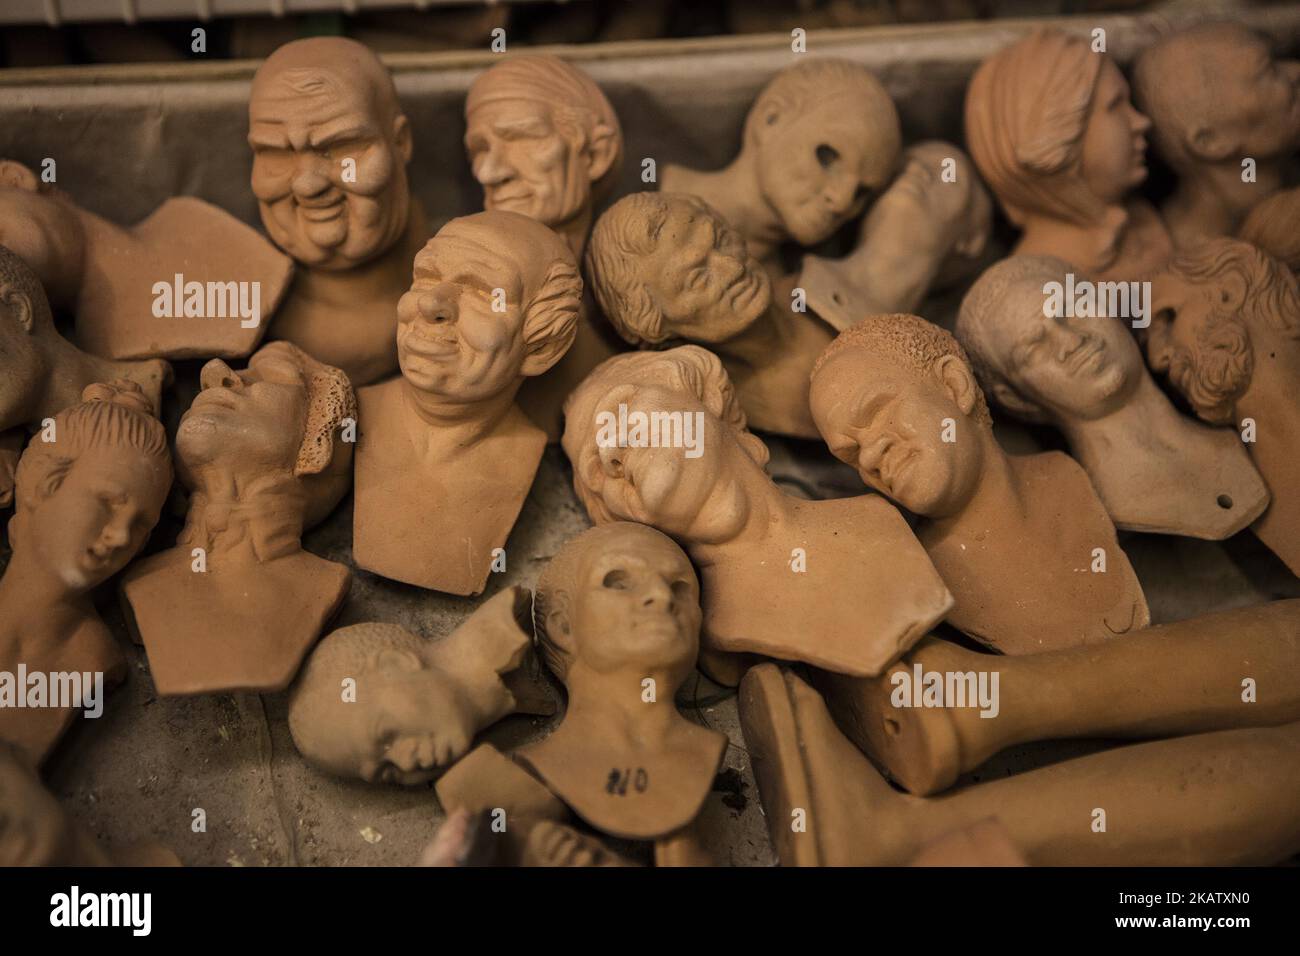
120	283
618	619
487	779
842	584
666	268
84	505
445	456
330	149
377	702
1051	128
1154	468
987	843
928	231
1138	687
1218	96
1226	331
1022	541
237	603
1217	799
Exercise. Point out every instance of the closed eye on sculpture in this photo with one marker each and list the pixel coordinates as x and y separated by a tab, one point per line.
826	155
616	580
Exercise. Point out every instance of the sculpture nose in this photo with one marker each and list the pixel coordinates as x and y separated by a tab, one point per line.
656	593
438	306
217	374
309	180
492	167
117	533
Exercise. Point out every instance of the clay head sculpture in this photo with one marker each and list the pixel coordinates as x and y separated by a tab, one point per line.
262	452
1226	330
617	615
377	702
928	230
1053	133
446	457
88	491
543	141
657	437
1271	226
330	148
188	281
1217	96
896	398
666	267
1154	468
820	139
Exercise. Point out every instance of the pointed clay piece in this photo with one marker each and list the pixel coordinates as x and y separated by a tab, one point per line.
667	268
377	702
41	372
617	616
121	283
987	843
1054	134
1225	798
1154	468
1241	667
1216	96
1226	330
841	584
929	229
1271	227
84	504
330	148
1022	541
237	603
821	138
445	456
485	779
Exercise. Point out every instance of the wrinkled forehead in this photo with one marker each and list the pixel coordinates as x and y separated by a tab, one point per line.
524	108
855	376
311	94
456	252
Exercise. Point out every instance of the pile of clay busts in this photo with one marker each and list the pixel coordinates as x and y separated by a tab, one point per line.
426	375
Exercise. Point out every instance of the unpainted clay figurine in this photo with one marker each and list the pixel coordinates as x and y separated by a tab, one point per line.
189	281
1154	468
821	139
927	231
377	702
237	603
617	615
88	491
1226	330
1054	134
543	141
1271	225
1240	667
445	456
842	584
666	268
330	148
1022	541
986	843
1225	114
1216	799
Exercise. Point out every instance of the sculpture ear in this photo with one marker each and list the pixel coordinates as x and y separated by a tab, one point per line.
398	659
1207	143
19	305
17	176
958	382
402	137
602	150
1004	396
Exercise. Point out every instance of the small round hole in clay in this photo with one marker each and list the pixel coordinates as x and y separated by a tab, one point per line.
1224	501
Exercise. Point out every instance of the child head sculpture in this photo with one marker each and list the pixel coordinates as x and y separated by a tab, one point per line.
880	395
494	299
619	598
542	139
1216	305
1051	129
25	327
666	265
330	146
1040	366
86	501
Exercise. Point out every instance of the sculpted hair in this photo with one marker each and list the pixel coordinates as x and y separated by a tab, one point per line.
1244	280
552	316
17	276
626	234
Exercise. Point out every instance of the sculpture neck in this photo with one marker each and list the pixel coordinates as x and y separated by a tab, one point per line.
459	423
615	704
997	494
35	601
575	231
1212	200
1092	246
258	520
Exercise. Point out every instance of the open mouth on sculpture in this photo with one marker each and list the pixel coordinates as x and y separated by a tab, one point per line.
316	211
428	347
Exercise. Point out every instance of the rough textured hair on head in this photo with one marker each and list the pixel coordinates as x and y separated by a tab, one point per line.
17	276
552	318
1267	287
1273	226
907	340
330	400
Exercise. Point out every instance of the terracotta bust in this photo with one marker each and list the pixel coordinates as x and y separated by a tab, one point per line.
445	456
666	268
821	139
1154	468
377	702
1217	95
618	615
1022	541
1226	330
237	603
85	503
330	148
927	231
842	584
1054	134
109	277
